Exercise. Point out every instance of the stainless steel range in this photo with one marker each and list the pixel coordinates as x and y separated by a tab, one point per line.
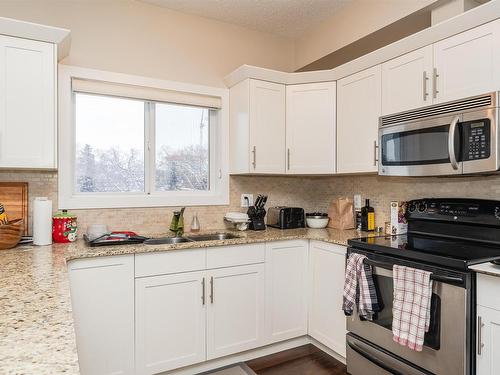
445	236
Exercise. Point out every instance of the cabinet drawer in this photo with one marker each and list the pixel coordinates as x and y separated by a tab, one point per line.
488	289
227	256
170	262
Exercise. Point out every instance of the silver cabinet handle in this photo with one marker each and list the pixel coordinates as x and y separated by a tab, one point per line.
203	291
212	289
480	326
424	85
288	159
254	161
375	153
451	143
435	76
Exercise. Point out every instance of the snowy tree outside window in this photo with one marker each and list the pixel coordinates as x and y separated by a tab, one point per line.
111	156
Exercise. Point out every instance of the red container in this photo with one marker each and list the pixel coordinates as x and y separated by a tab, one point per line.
64	228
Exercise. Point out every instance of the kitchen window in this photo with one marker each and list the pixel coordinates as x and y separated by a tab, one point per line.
126	145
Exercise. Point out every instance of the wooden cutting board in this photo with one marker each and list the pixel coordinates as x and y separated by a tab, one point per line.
14	197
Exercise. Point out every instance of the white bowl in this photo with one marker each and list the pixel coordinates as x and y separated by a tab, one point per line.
317	223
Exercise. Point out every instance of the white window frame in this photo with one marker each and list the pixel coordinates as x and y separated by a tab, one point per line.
218	148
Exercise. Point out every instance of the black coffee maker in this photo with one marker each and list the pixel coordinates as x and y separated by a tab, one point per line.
257	213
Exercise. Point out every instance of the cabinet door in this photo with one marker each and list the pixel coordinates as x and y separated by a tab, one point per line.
170	321
488	360
102	297
267	127
27	104
468	63
357	121
235	314
310	128
406	81
286	290
327	322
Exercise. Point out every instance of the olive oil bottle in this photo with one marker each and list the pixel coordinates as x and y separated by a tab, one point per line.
367	217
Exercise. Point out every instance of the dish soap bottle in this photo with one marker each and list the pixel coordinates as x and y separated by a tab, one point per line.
195	223
367	217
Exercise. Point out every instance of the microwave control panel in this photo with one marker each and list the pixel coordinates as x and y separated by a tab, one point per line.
476	139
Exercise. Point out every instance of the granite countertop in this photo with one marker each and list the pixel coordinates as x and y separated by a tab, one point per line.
487	268
78	250
36	323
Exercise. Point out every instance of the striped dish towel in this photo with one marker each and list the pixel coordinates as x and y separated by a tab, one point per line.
411	312
359	288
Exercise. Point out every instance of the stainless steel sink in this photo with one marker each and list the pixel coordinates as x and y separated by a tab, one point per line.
212	237
166	240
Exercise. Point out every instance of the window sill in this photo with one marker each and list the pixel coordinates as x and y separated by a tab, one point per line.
91	201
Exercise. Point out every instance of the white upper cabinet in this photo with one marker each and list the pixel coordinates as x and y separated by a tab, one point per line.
358	99
310	128
27	103
406	81
468	63
286	289
257	127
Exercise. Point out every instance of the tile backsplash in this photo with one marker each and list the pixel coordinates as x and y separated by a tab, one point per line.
311	193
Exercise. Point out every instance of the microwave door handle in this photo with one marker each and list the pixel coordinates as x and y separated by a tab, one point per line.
451	143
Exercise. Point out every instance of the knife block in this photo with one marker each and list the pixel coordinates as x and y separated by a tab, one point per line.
256	216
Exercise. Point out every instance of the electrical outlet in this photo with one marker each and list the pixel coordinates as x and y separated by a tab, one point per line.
244	202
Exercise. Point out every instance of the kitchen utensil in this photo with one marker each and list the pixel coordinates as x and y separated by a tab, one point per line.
317	220
10	234
256	213
14	197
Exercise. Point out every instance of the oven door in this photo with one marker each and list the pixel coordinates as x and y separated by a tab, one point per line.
421	148
445	345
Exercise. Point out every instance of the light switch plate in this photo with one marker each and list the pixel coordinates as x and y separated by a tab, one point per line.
244	202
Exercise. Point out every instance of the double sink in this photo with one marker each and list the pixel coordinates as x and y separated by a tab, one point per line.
191	238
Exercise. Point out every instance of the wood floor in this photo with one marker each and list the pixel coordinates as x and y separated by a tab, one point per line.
304	360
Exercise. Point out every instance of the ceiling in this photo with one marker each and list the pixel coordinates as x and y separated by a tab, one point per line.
290	18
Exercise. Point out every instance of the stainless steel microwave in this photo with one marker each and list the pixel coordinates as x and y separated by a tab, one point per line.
459	137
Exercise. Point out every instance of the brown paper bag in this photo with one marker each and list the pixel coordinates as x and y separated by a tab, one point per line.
341	214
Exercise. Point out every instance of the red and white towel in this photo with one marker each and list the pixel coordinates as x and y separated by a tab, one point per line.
411	310
359	288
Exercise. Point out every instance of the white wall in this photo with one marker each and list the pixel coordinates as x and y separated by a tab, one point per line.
132	37
352	22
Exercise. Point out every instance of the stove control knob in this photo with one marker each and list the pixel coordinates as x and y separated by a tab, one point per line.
412	207
422	207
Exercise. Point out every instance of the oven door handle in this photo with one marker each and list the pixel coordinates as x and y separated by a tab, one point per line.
376	361
439	278
451	142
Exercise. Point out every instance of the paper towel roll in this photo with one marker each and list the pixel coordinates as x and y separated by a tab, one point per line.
42	221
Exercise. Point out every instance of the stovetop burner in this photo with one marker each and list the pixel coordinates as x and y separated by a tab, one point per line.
451	232
453	253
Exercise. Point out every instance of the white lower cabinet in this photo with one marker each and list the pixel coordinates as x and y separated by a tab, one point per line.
488	360
488	325
235	314
151	313
286	289
170	321
327	322
102	297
